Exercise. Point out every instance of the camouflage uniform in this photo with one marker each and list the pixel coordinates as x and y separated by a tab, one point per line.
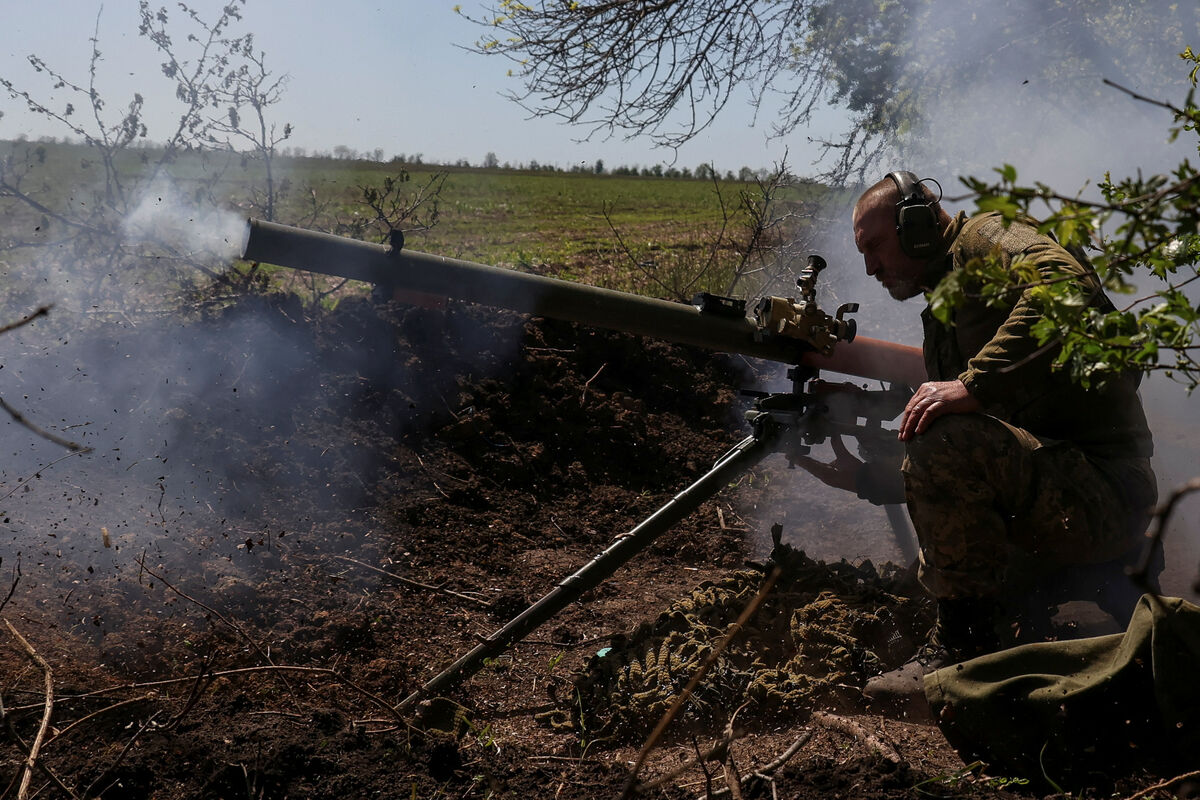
1050	473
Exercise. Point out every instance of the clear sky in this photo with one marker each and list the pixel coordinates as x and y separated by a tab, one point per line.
363	73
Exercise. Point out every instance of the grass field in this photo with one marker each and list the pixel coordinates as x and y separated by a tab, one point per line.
646	234
567	225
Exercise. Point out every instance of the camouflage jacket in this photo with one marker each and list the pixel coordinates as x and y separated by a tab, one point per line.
992	350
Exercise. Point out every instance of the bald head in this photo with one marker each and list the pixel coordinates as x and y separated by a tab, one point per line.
883	195
877	237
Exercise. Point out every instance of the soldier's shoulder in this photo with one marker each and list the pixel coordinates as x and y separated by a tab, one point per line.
983	232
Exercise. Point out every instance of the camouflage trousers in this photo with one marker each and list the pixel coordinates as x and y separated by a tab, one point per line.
991	502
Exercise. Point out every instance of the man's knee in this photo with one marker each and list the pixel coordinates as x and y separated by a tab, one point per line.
954	443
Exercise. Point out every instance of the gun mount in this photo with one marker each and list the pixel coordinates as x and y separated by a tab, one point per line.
785	330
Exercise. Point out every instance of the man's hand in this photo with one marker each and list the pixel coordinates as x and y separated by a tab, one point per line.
932	400
841	473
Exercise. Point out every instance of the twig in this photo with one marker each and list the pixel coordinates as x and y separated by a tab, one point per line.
22	482
673	711
330	673
786	756
233	625
1143	792
703	763
429	471
229	673
634	262
41	311
94	714
121	757
1143	99
718	750
767	773
732	775
12	588
607	637
272	712
732	779
583	394
195	693
48	710
415	584
849	726
20	419
41	765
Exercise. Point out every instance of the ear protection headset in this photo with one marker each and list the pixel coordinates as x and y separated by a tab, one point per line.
916	217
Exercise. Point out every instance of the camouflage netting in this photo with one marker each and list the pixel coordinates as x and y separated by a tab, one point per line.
820	633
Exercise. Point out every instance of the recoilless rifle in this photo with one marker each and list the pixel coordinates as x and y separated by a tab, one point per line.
793	331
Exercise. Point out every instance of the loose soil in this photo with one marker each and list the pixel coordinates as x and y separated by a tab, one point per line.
291	519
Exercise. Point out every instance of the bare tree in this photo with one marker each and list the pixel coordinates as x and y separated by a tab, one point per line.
753	249
397	204
253	89
666	68
216	76
626	66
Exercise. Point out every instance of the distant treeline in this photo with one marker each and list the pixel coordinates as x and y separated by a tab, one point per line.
703	172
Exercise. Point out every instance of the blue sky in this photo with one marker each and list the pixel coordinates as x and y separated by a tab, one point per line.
364	74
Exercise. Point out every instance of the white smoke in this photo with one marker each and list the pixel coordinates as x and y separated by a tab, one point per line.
1049	142
1063	126
199	232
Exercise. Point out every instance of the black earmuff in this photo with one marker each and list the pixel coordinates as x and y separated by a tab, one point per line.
916	217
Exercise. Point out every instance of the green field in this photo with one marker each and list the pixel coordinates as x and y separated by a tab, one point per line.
654	235
567	225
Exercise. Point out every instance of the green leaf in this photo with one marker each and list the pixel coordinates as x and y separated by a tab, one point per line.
1007	208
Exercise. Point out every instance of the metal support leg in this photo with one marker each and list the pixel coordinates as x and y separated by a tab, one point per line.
745	454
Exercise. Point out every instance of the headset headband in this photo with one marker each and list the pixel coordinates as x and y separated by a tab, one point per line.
910	188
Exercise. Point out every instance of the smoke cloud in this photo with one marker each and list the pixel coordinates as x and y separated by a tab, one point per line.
201	231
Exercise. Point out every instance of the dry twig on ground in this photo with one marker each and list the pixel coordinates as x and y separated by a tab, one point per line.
238	629
415	584
631	786
849	726
47	712
1142	793
767	772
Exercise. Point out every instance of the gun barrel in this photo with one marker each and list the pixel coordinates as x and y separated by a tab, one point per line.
297	248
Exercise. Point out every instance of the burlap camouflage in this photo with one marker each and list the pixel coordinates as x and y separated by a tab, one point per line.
988	500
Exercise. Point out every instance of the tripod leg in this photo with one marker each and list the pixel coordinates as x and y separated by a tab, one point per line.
906	539
746	453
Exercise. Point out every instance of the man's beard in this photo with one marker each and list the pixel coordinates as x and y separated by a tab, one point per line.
905	290
934	271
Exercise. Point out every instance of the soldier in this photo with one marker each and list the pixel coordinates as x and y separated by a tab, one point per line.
1007	462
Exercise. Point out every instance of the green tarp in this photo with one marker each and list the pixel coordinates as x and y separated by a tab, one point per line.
1067	710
